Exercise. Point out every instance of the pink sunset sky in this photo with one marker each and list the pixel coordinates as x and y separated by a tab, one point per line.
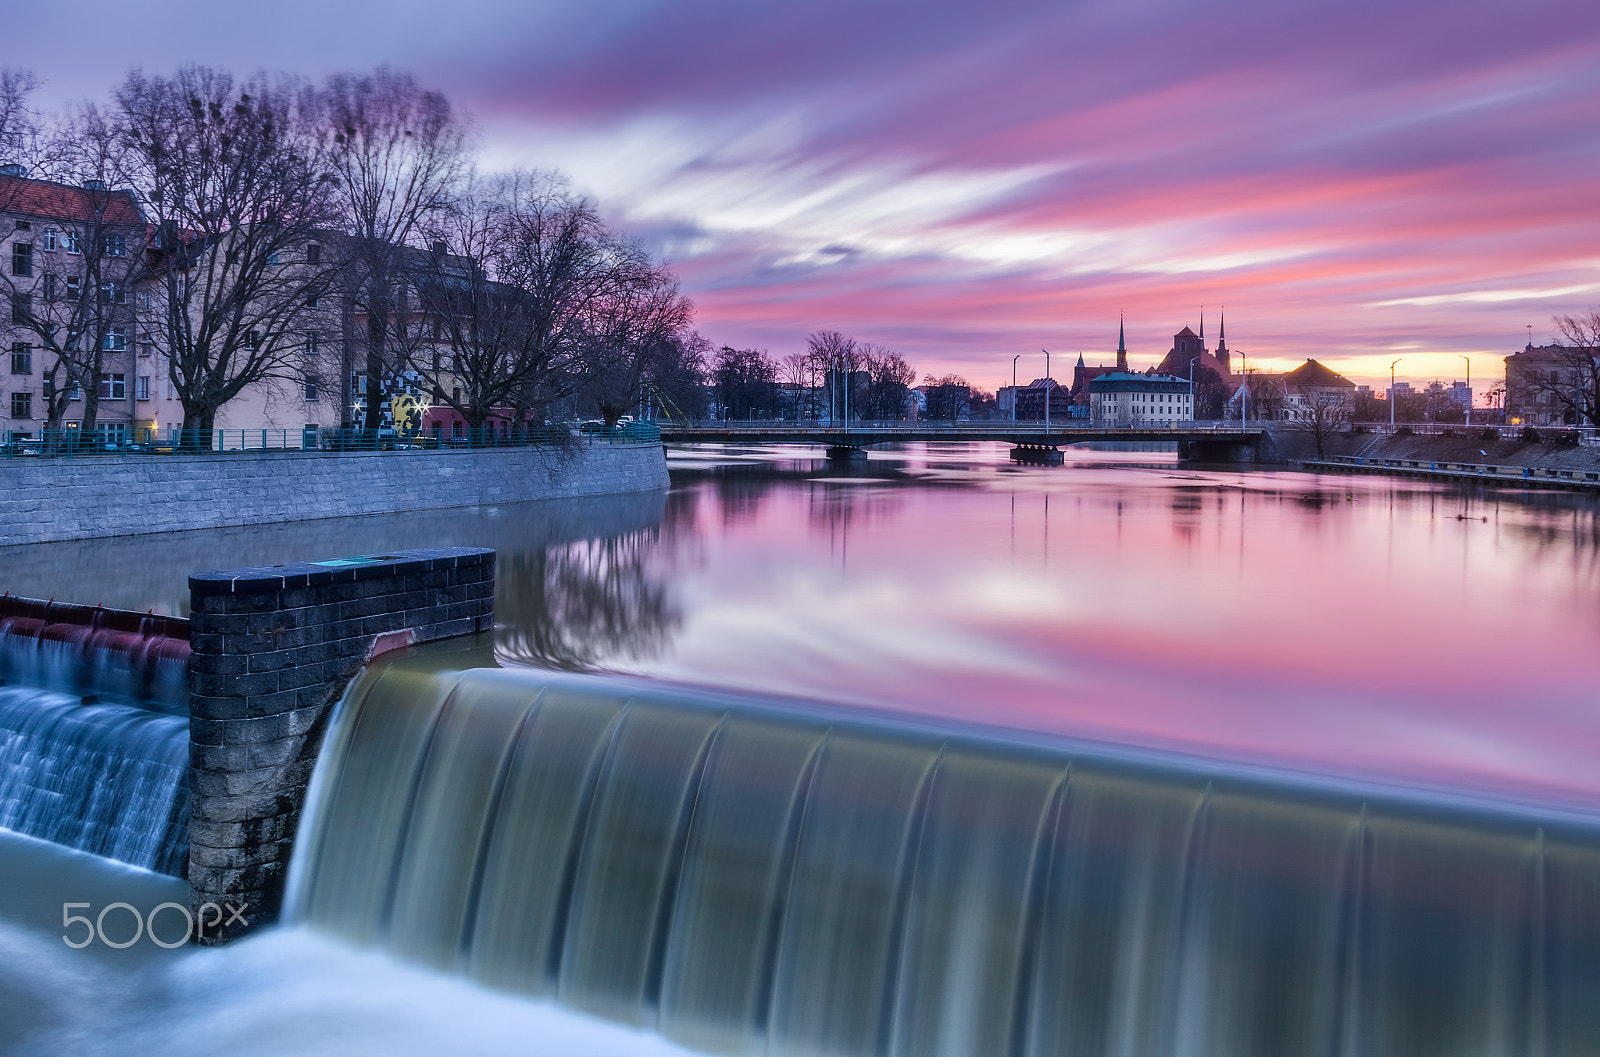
965	182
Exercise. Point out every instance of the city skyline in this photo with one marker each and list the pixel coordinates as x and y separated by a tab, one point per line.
1354	183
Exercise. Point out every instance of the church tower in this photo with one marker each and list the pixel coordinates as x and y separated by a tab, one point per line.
1122	347
1222	343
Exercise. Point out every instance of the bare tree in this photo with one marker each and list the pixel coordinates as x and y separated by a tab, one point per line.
889	381
400	154
634	333
746	381
19	123
834	355
1320	414
236	184
948	396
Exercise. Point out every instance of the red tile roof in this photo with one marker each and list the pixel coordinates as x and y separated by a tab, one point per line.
53	201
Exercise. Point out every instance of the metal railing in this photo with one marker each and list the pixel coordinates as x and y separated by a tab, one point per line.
176	441
986	426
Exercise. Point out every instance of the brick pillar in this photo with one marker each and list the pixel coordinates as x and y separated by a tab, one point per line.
272	650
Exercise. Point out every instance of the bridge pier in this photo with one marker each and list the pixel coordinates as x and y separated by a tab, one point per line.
1041	454
1217	451
845	452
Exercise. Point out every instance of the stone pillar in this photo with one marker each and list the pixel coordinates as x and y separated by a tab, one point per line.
272	650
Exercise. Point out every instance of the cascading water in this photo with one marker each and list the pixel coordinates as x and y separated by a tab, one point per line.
94	733
751	879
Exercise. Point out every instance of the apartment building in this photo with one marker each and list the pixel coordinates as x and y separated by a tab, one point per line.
73	269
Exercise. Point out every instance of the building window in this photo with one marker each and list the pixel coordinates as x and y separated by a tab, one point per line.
51	287
20	308
22	258
311	343
114	293
116	245
311	302
24	225
311	391
74	287
251	338
113	387
21	358
75	393
141	389
73	245
146	301
114	341
313	253
48	242
22	405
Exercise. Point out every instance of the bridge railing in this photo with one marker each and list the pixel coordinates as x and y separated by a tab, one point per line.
923	426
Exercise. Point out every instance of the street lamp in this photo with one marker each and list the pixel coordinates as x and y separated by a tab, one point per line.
1391	390
1191	387
1014	360
1464	356
1047	393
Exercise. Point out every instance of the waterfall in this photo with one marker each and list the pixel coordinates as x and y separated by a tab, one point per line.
94	734
757	879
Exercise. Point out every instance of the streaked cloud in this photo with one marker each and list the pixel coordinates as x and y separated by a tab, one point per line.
968	181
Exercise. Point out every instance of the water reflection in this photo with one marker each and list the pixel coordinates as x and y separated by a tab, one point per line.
576	605
1379	628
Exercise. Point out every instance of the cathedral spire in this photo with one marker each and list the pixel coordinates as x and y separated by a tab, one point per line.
1122	345
1222	331
1202	326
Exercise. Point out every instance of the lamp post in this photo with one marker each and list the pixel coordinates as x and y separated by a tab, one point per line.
1391	391
1047	393
1464	356
1244	396
1191	388
1014	360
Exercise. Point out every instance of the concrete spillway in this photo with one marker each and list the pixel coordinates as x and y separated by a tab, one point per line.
775	880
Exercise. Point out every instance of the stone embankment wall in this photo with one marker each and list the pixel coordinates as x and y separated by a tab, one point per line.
1468	448
87	498
273	649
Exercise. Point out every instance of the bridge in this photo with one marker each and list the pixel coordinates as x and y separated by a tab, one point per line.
1029	440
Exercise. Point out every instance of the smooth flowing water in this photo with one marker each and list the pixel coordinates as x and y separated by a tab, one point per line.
94	739
754	879
1118	757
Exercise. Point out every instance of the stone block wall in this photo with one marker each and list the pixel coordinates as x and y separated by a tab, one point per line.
44	499
272	650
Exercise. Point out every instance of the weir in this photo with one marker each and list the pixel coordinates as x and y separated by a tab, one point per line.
754	878
94	734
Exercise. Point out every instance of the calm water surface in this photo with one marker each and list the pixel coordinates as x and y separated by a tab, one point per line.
1359	626
1367	627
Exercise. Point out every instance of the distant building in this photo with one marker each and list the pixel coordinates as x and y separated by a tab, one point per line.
1189	352
1309	391
1082	374
1031	397
1547	385
1005	400
1154	401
